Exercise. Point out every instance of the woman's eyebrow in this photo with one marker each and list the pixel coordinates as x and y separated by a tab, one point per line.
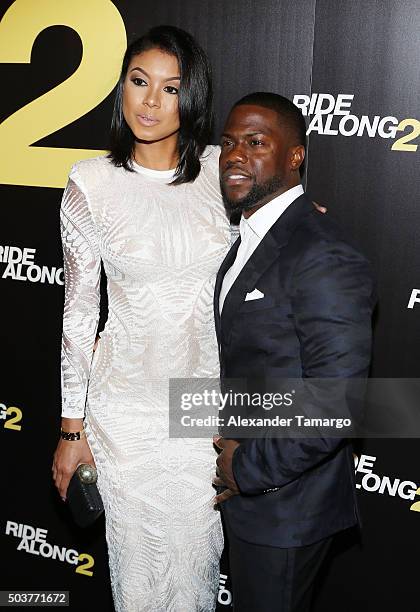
174	78
141	70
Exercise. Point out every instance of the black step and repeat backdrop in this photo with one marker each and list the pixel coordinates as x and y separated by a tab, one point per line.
352	66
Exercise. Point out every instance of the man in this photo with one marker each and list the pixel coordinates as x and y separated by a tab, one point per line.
293	299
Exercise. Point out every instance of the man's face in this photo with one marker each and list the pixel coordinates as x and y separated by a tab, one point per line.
259	159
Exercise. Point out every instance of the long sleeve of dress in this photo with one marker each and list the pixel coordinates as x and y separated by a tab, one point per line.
82	266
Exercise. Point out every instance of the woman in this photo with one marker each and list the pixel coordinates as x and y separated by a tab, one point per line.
152	212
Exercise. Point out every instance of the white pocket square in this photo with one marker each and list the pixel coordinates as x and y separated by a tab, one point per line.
254	295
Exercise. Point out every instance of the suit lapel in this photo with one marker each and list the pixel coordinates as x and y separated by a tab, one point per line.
226	264
261	259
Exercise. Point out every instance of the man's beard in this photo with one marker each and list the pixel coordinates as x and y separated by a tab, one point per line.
257	193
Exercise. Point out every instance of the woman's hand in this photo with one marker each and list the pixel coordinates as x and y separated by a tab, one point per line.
68	455
321	209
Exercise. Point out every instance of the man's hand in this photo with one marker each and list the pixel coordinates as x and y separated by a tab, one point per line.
224	473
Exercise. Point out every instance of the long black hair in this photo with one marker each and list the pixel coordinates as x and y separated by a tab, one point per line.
194	100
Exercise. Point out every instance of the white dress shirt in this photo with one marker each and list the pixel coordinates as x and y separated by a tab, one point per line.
252	231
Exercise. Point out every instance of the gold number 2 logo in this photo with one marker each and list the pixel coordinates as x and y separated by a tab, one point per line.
12	423
102	32
416	506
402	143
83	569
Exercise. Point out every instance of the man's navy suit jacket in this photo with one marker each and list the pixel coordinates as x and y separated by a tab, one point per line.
314	321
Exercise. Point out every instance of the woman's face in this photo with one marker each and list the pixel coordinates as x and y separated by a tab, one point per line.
150	95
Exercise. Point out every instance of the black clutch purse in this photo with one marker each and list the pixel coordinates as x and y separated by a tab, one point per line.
83	497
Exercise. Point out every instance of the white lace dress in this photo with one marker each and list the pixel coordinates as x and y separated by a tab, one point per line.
161	247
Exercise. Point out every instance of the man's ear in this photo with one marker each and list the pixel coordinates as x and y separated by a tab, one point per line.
297	155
